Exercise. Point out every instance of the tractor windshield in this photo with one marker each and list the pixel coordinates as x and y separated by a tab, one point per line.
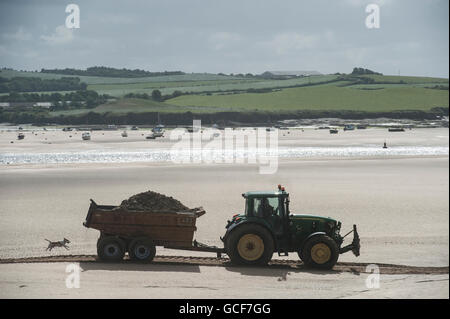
265	207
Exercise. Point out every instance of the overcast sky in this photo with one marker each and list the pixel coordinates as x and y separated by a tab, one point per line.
229	36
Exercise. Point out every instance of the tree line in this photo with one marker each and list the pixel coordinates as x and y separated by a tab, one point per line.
156	95
35	84
362	71
104	71
186	118
78	99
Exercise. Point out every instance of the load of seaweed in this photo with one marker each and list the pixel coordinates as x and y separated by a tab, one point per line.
153	202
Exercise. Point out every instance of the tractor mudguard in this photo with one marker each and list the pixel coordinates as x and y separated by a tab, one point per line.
311	235
235	225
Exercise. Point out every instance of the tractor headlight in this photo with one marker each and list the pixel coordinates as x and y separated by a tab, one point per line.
338	228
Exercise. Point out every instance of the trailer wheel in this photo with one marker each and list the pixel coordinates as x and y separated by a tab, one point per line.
142	250
110	249
320	252
250	245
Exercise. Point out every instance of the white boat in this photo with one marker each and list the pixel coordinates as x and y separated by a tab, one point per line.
86	136
349	127
158	131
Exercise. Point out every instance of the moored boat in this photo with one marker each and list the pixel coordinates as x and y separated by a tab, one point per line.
86	136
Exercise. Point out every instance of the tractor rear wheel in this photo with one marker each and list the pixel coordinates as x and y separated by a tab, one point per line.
142	249
320	252
110	248
250	245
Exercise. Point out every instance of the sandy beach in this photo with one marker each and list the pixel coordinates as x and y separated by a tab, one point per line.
245	153
400	204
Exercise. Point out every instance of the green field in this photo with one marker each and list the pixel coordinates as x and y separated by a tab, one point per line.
323	97
113	80
327	97
195	82
130	105
406	79
227	84
218	93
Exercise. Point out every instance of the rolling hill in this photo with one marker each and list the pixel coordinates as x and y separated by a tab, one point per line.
212	93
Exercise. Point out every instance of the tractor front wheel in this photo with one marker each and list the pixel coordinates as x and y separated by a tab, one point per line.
320	252
300	254
250	245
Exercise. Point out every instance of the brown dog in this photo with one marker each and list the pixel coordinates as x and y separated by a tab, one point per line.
62	243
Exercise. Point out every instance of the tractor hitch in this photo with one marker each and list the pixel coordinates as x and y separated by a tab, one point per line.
354	246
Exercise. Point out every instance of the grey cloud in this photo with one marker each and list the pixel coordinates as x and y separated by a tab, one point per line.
228	36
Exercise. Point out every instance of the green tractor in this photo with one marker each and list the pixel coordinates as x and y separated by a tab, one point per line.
267	226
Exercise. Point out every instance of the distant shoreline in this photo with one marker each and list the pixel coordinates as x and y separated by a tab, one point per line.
228	118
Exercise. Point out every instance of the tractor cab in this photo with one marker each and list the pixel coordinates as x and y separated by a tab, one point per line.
267	226
272	208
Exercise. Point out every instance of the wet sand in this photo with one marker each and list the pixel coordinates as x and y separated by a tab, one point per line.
185	282
400	205
55	140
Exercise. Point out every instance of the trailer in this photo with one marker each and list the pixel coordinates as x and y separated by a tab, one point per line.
139	232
